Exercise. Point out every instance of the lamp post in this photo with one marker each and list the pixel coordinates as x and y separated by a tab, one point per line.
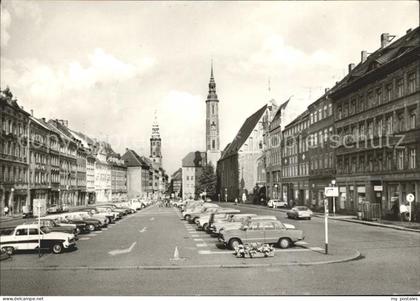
277	190
326	224
333	182
226	195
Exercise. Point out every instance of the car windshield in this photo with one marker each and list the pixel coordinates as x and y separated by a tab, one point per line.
45	229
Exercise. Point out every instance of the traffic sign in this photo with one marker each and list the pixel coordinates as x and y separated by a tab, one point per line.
331	191
410	197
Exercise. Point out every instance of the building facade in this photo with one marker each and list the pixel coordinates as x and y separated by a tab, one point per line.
192	169
138	175
156	145
118	178
377	109
13	154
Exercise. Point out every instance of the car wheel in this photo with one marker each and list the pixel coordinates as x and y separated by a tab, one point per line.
194	221
8	250
234	243
187	217
91	228
78	231
309	218
206	227
284	243
57	248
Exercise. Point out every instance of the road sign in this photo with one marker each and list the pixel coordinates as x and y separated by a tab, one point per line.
410	197
331	191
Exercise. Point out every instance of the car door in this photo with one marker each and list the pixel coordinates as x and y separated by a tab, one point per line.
33	238
21	239
269	232
254	233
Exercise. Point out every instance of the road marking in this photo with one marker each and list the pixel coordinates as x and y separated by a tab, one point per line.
195	235
84	238
152	218
91	234
317	249
301	243
122	251
105	229
208	252
143	230
198	239
201	245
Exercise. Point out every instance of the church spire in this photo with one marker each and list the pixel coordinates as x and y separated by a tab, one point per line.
212	96
155	128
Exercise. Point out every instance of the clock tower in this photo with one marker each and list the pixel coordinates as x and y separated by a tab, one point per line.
212	123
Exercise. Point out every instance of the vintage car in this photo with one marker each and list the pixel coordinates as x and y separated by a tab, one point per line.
108	210
60	219
123	211
126	206
216	226
28	236
299	212
262	231
237	225
54	226
92	224
107	218
217	213
197	210
274	203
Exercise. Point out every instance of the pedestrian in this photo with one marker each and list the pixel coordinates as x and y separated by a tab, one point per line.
236	201
403	212
6	210
243	197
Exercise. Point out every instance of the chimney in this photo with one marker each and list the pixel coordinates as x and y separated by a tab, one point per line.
32	112
385	39
363	56
43	119
326	90
351	67
408	31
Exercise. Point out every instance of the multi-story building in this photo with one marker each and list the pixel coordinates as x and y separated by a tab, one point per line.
138	174
321	152
237	167
102	175
13	154
273	154
192	169
176	183
376	110
294	186
118	178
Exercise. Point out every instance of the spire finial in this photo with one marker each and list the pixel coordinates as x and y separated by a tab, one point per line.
211	75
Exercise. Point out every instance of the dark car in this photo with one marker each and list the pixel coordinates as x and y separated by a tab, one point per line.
81	226
55	227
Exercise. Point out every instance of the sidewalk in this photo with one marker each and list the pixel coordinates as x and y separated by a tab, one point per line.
397	225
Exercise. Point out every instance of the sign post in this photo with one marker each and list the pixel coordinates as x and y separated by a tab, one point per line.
410	198
326	224
331	191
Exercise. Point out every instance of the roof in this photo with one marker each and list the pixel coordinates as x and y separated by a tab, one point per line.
6	97
408	43
177	175
279	110
243	133
297	119
132	159
195	159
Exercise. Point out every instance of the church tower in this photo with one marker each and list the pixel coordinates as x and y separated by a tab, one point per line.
212	123
155	145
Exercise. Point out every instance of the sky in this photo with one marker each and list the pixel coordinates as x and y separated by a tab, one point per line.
108	67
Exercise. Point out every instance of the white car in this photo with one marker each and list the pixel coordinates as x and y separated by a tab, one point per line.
219	214
27	236
197	209
300	212
274	203
238	225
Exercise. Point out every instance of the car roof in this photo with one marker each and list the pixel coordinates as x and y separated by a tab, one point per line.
27	226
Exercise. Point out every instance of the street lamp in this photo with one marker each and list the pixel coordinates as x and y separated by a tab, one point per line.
226	195
277	191
333	182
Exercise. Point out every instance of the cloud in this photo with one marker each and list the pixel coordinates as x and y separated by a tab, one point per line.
6	20
50	82
25	9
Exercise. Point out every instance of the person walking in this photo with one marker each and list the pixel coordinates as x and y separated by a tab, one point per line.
6	210
236	201
243	197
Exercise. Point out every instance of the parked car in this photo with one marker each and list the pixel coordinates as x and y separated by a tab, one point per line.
197	209
54	226
274	203
204	211
238	225
262	231
27	236
60	219
95	212
108	210
300	212
92	224
204	219
115	208
237	219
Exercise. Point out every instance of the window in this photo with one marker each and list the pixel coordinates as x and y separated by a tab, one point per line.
212	108
369	103
33	232
400	87
353	107
339	112
401	126
22	232
400	159
388	92
412	159
330	109
361	104
412	121
389	125
213	144
379	125
370	129
312	118
411	84
325	111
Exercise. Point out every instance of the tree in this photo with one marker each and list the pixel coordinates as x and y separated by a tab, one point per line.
207	182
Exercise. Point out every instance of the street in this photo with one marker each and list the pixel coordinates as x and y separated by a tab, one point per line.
154	252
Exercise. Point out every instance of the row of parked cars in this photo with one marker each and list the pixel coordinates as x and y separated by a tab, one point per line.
59	231
233	228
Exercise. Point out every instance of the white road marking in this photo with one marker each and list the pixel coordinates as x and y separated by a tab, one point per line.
195	235
301	243
91	234
198	239
143	230
208	252
201	245
122	251
105	229
84	238
317	249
